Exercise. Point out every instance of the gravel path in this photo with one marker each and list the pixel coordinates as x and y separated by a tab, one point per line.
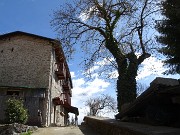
80	130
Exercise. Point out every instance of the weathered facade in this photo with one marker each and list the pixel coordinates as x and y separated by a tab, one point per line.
34	69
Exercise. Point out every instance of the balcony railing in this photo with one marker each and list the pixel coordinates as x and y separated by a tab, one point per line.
60	71
67	99
66	85
63	99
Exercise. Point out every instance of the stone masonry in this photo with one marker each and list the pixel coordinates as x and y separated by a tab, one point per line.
28	64
25	62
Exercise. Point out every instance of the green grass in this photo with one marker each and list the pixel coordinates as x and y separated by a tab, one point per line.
27	133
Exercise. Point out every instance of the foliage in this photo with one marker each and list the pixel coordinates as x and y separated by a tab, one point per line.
169	28
110	32
15	112
27	133
103	102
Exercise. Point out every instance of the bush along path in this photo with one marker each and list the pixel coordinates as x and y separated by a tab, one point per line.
16	116
15	111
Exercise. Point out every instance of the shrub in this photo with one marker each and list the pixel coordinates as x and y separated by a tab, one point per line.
27	133
15	111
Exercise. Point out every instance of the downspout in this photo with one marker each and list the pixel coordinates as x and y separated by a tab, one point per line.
49	92
52	69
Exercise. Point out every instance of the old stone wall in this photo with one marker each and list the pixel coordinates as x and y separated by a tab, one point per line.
30	62
33	101
107	126
55	90
25	62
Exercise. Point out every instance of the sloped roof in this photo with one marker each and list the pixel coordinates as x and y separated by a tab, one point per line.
159	87
24	33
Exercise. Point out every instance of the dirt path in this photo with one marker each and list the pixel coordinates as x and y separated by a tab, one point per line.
81	130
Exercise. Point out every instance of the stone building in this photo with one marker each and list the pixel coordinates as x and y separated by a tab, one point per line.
34	68
158	105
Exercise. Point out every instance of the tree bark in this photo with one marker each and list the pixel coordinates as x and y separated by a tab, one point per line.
127	70
126	83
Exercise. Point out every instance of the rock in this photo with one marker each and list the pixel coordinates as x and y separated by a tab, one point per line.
32	128
19	128
16	129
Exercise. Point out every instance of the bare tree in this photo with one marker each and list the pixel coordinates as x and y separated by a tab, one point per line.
110	31
103	102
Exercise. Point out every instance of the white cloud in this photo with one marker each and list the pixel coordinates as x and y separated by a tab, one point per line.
82	90
85	89
85	15
89	87
105	61
93	69
72	74
151	66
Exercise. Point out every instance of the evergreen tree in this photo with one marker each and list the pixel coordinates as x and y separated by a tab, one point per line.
169	28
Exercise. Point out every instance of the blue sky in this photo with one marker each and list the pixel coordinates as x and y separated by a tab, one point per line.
31	16
34	16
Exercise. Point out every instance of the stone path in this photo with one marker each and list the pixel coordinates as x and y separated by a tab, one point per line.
80	130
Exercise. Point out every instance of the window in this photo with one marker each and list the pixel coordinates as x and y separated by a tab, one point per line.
13	92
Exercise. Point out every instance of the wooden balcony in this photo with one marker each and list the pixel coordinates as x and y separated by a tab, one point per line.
57	101
60	71
66	85
63	99
66	98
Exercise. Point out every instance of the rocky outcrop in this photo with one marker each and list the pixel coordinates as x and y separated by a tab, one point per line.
16	129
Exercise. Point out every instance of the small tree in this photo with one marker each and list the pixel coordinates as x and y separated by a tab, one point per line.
103	102
15	111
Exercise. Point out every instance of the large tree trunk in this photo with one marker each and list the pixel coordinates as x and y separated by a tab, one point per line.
126	83
127	70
